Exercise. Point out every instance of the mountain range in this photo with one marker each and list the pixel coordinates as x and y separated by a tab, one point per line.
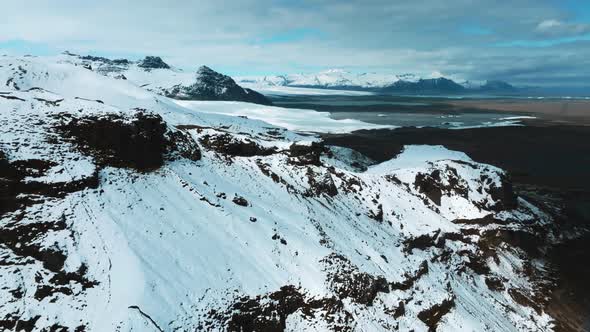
154	74
379	82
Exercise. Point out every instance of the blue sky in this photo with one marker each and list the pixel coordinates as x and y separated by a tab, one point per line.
528	42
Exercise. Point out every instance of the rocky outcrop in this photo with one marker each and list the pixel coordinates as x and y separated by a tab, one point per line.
153	62
114	62
211	85
113	140
229	145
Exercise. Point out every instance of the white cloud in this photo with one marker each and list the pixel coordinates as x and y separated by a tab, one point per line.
556	28
421	36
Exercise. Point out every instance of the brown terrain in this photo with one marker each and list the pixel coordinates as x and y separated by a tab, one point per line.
556	111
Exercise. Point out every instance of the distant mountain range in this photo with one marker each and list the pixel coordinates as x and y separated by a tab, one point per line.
380	82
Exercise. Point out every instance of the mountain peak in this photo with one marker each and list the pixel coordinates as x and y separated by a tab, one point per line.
212	85
497	85
153	62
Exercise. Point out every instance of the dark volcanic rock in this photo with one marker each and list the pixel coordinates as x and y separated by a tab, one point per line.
269	312
239	200
138	142
434	314
182	143
153	62
321	183
504	196
16	193
211	85
228	145
347	281
306	154
117	62
432	185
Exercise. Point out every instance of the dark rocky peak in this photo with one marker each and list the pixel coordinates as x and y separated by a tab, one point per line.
207	75
496	85
212	85
153	62
116	62
432	85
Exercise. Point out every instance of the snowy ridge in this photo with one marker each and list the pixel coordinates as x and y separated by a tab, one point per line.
331	78
346	82
153	74
126	211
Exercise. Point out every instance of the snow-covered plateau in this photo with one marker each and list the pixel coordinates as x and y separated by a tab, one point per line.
124	210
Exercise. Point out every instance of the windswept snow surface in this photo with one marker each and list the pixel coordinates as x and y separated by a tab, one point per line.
263	228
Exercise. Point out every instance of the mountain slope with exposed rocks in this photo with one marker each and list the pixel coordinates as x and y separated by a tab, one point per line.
154	74
123	210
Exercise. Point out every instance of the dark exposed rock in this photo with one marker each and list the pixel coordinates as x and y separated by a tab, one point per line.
421	242
432	316
228	145
9	97
306	154
347	281
118	62
320	184
153	62
495	283
22	240
12	323
400	310
16	193
182	143
136	142
211	85
433	187
524	300
239	200
503	196
378	216
410	279
427	185
486	220
269	312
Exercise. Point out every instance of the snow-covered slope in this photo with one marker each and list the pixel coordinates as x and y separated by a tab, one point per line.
123	210
152	73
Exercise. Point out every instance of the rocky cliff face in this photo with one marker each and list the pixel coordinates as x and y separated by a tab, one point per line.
211	85
153	62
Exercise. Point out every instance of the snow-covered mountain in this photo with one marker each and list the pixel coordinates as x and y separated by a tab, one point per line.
124	210
154	74
332	78
376	82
